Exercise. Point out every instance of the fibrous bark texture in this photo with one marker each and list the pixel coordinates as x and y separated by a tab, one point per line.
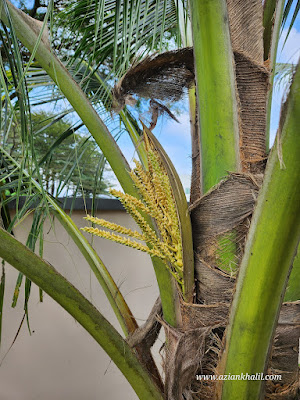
195	191
226	208
220	218
246	29
252	79
285	354
164	76
183	351
194	348
167	76
252	82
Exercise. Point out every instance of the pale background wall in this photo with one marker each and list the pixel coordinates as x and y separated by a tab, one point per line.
60	360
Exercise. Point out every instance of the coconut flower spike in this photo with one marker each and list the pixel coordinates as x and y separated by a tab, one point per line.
157	201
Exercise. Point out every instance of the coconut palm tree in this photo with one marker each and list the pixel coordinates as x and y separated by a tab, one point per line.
223	265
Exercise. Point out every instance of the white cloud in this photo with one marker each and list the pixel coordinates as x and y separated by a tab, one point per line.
291	50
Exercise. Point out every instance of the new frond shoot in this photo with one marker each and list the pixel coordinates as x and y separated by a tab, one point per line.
156	201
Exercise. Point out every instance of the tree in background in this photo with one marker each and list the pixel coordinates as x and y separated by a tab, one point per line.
72	166
82	163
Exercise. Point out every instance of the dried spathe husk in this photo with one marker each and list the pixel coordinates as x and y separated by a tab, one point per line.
164	77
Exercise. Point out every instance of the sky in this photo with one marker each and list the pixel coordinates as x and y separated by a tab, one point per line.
289	53
175	138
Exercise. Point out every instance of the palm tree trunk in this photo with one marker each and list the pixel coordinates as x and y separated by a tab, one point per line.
227	210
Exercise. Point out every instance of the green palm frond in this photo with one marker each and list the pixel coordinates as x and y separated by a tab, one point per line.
98	89
15	184
2	289
41	206
284	73
96	124
288	7
39	217
113	33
